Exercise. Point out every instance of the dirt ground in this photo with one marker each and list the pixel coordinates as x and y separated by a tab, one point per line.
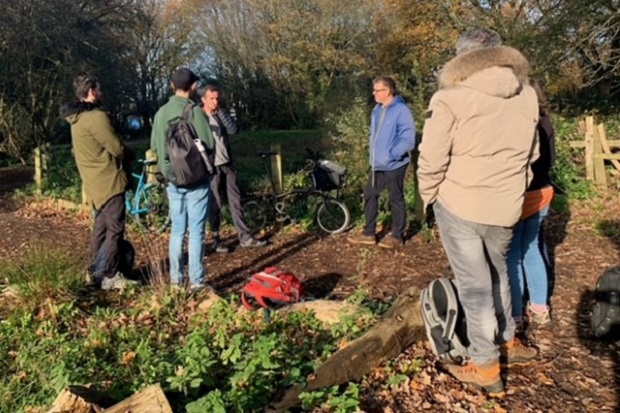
575	373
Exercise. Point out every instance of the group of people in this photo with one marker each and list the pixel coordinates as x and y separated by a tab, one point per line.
103	164
483	168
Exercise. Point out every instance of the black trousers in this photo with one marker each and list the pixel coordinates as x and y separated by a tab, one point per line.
395	182
108	231
227	174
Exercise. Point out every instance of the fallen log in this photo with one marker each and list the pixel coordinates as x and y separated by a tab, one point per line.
401	326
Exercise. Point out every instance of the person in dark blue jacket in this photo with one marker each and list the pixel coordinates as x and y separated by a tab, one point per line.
392	137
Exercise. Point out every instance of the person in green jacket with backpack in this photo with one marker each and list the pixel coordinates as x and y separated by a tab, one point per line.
188	206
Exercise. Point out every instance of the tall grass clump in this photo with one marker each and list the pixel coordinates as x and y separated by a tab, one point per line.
41	273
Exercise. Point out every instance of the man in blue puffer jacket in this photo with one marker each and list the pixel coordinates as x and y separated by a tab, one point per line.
392	137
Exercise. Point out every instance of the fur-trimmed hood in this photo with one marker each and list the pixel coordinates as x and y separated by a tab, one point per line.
498	71
72	110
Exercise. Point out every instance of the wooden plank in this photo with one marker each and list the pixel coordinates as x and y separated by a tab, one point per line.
276	166
614	156
149	400
589	148
606	146
401	326
600	176
582	144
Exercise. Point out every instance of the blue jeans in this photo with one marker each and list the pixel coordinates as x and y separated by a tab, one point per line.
188	212
477	255
525	258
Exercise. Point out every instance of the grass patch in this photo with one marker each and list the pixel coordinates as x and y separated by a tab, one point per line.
608	228
43	273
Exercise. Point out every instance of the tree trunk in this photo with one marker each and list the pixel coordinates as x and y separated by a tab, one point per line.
401	326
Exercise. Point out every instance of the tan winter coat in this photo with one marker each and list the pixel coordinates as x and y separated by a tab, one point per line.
480	137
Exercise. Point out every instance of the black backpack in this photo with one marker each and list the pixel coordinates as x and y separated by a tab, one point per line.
605	318
188	166
444	321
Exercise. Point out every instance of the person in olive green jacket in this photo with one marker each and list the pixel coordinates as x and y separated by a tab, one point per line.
99	155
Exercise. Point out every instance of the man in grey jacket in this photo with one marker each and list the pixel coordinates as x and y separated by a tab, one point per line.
222	126
478	143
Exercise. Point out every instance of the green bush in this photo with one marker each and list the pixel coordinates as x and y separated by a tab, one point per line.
569	170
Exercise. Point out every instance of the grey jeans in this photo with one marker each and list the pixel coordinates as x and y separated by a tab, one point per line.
477	255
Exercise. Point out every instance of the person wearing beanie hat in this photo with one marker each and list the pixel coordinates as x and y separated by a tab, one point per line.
188	206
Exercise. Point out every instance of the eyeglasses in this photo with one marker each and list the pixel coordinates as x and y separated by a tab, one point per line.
378	90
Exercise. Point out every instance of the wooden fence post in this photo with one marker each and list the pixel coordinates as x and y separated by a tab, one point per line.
38	170
276	166
600	177
151	170
589	148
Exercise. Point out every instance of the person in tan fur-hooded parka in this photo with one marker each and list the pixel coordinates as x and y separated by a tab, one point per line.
478	143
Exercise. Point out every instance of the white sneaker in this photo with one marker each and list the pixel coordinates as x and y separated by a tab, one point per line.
118	282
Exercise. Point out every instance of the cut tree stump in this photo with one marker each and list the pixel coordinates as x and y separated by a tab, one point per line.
401	326
149	400
77	399
80	399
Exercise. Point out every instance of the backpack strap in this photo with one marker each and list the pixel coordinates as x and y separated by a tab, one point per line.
188	112
451	307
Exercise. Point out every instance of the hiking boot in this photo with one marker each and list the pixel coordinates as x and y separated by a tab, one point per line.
253	243
390	242
484	376
361	238
514	353
118	282
541	318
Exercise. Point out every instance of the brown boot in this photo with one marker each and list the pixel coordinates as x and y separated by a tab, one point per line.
516	353
484	376
360	238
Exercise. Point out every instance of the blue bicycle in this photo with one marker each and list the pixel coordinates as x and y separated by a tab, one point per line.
147	204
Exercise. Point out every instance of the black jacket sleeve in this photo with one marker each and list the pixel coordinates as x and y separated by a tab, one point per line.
227	122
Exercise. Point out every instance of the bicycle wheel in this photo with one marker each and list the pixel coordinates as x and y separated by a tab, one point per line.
156	215
255	215
332	216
